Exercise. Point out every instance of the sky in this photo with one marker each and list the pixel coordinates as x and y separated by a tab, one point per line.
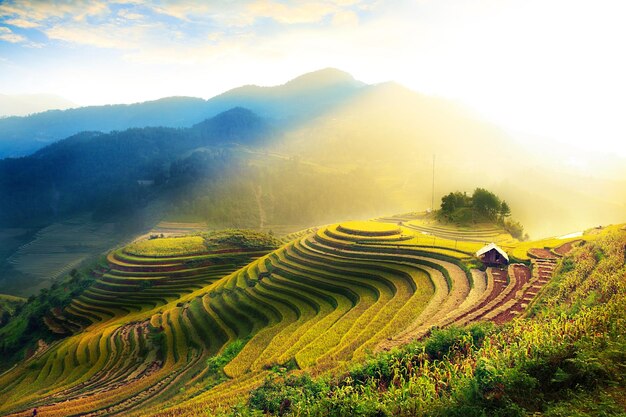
551	69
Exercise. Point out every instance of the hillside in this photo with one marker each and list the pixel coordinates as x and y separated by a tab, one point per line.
179	333
360	150
83	195
385	132
392	133
303	97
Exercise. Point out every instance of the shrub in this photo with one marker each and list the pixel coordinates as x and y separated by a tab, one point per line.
443	342
277	393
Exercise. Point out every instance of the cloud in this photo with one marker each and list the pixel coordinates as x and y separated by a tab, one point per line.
301	12
185	9
109	35
128	24
34	11
232	13
7	35
22	23
129	15
305	11
345	18
242	13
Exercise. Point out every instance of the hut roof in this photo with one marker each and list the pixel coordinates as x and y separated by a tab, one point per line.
492	246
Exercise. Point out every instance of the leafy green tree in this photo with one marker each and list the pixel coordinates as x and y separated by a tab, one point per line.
454	201
505	210
486	203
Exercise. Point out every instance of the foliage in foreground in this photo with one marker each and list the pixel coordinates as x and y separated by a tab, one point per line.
568	358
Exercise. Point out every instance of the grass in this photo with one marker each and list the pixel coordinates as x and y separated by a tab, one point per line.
566	361
188	333
165	247
521	250
368	228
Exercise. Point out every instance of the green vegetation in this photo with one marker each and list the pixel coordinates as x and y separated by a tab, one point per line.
252	191
217	363
9	304
568	358
245	239
481	206
171	246
26	324
357	318
202	243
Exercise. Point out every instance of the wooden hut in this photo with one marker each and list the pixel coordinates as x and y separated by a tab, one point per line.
493	255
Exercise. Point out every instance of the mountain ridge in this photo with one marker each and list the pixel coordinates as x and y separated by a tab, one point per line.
288	103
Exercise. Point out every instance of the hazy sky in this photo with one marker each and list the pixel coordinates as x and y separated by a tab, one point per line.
551	68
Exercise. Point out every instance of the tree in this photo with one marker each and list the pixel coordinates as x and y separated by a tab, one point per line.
515	229
454	201
505	210
486	203
482	205
4	318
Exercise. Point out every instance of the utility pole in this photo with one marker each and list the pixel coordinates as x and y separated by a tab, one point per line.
432	202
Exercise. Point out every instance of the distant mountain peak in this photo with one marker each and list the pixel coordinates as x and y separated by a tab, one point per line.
323	76
235	124
238	112
302	98
311	81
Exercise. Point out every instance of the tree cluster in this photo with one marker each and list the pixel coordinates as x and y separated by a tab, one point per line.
482	205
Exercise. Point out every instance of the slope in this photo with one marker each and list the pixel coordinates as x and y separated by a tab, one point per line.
393	133
318	303
300	98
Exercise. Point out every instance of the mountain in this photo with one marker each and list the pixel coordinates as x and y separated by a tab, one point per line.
238	125
391	316
21	136
368	152
394	133
25	104
304	97
91	170
373	137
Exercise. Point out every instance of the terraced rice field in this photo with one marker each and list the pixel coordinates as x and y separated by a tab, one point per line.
58	248
148	326
483	233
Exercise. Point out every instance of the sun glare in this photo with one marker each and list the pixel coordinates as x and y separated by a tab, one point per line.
552	69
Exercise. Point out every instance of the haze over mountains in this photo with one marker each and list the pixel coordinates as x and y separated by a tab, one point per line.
321	148
25	104
304	97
